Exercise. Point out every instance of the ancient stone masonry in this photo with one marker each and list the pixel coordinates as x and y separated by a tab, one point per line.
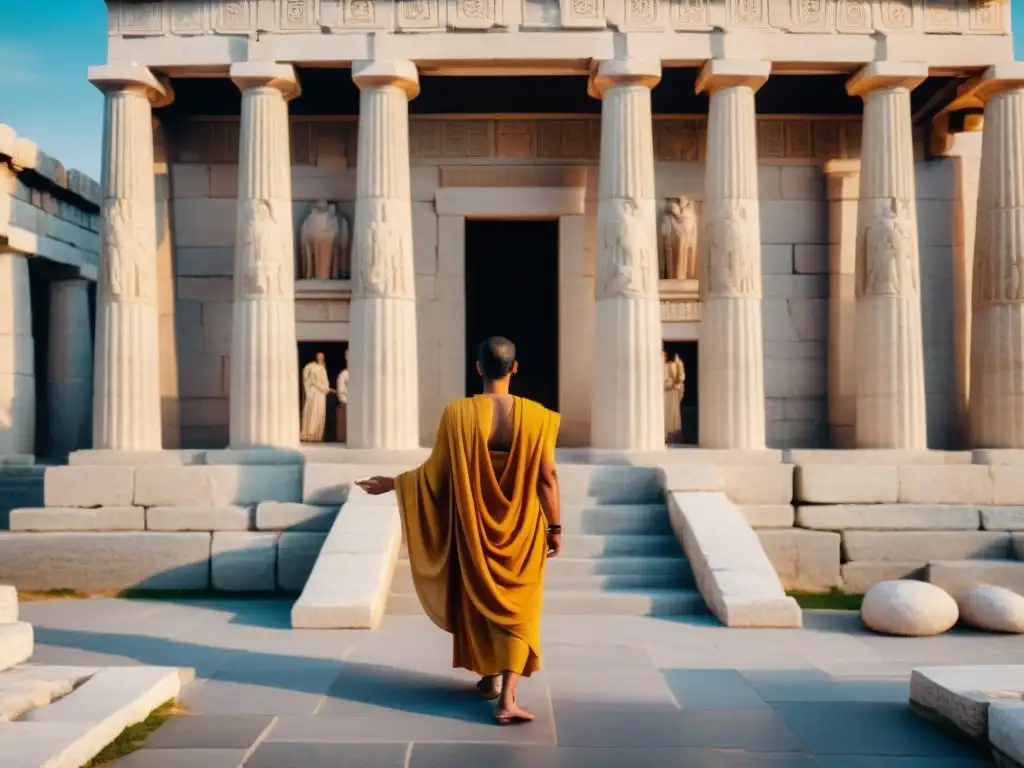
186	18
997	345
731	352
263	375
126	413
384	394
890	357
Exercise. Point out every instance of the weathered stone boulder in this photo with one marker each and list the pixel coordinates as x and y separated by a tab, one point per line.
996	609
909	608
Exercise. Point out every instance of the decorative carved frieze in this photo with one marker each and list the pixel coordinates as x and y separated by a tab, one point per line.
333	142
139	18
680	311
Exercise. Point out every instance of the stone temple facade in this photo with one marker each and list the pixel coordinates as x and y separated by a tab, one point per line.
388	182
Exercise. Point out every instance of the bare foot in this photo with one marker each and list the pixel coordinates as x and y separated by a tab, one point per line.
511	714
489	687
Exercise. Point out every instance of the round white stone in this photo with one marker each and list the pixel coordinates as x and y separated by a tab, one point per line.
909	608
996	609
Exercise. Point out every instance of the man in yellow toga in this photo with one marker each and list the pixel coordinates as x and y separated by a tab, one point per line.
480	518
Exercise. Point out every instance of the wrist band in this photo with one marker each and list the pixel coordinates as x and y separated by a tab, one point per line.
554	529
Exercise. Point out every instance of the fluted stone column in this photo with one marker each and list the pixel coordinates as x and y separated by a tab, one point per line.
69	366
627	410
383	398
264	364
890	358
126	390
997	330
731	348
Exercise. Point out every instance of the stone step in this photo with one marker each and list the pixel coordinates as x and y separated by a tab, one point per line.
8	604
589	574
29	687
624	602
16	645
617	519
609	484
73	730
619	545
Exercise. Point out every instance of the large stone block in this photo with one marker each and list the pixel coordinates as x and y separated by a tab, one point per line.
96	457
8	604
888	517
969	484
859	576
1002	518
217	485
768	484
690	477
768	515
78	519
101	561
875	457
1018	545
954	576
80	486
296	556
1005	457
173	486
244	562
733	574
225	518
925	546
17	641
847	484
804	560
956	696
294	516
1007	485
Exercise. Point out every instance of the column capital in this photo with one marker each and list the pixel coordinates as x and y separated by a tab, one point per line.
127	76
627	71
717	74
998	79
400	73
879	75
266	74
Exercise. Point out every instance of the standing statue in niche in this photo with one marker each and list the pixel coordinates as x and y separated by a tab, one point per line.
627	250
341	412
324	241
263	251
888	242
674	382
315	388
679	241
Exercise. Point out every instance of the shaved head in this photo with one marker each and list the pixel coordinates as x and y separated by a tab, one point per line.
496	357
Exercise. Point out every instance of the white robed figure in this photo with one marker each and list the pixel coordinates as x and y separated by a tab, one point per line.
316	387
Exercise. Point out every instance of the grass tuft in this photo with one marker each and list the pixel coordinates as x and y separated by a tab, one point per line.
134	736
64	593
827	601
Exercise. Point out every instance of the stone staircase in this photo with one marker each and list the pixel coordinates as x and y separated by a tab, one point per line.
20	486
619	553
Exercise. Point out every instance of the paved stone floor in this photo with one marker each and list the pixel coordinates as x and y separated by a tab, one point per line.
616	691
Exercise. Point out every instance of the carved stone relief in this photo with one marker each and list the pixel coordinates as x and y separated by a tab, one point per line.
128	266
624	263
142	18
474	14
382	256
298	15
888	250
677	259
998	267
728	255
854	16
324	244
419	14
986	16
234	17
690	14
641	13
942	16
748	13
680	311
582	13
189	18
361	14
810	15
894	15
263	249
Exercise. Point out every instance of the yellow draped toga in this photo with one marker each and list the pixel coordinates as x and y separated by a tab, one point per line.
477	535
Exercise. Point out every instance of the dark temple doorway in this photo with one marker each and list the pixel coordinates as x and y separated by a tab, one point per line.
334	361
512	291
687	352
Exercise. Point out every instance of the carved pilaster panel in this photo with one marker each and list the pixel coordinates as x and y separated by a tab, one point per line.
689	14
142	18
747	13
943	16
854	17
413	15
234	17
475	14
583	13
189	17
987	16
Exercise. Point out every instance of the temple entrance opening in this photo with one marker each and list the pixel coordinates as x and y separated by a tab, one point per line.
512	291
335	416
687	353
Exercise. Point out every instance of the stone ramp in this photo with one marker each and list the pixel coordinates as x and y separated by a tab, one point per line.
734	575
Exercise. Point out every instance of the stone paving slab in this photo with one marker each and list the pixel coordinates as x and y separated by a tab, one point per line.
211	732
186	758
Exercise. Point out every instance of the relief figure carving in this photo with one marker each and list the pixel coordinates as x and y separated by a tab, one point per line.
625	261
416	10
324	241
888	253
127	275
678	231
380	257
730	269
808	13
263	249
584	9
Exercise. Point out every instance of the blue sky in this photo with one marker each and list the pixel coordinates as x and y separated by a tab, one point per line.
45	50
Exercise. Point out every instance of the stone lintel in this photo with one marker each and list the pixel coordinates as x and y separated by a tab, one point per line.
997	79
718	74
129	76
841	167
625	71
266	74
400	73
880	75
